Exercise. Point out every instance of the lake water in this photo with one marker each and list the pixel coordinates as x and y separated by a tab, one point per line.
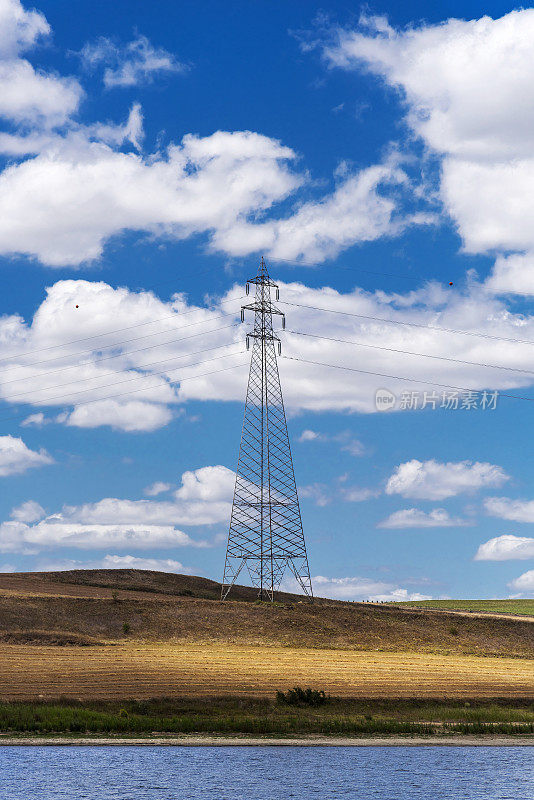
266	773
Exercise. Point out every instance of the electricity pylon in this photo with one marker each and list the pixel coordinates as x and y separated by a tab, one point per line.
266	532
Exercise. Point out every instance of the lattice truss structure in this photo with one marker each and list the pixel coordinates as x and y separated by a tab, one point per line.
266	533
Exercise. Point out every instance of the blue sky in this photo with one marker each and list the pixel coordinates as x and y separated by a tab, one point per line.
381	158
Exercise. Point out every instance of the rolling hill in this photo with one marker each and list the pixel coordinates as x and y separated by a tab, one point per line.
94	606
113	634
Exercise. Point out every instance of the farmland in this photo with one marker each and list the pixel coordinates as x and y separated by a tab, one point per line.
136	670
112	638
104	607
515	607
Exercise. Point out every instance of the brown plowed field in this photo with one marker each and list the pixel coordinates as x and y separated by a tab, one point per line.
143	671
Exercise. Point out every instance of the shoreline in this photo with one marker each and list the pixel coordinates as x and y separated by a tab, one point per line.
227	741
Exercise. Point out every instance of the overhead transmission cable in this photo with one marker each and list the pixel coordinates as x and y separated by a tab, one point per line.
198	310
301	333
124	354
114	372
45	401
422	381
148	388
403	275
412	353
176	316
411	324
179	315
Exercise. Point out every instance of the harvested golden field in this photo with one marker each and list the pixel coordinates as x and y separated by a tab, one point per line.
112	634
137	670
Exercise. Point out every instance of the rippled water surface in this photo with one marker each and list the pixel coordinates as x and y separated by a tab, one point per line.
266	773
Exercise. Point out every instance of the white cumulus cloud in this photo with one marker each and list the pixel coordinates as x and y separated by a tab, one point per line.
357	588
30	511
319	493
124	415
506	548
204	498
344	439
432	480
468	90
116	562
16	457
57	531
29	96
358	210
97	192
417	518
125	378
131	64
159	487
71	187
356	494
508	508
211	484
524	584
309	436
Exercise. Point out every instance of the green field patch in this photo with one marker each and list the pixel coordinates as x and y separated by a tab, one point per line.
520	607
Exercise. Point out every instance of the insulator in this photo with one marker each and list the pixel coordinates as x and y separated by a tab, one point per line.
248	343
242	315
283	322
247	288
277	293
279	348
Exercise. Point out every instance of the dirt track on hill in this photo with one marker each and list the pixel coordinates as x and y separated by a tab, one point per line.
483	614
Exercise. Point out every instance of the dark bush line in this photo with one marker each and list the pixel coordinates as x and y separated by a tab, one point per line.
302	697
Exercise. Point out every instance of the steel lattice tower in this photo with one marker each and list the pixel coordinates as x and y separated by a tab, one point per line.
265	528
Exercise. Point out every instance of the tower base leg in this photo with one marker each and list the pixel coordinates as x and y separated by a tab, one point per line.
267	576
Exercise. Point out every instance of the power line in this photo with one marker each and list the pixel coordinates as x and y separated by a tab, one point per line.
48	400
146	388
411	353
411	324
215	268
175	316
403	378
412	275
138	367
117	355
126	341
192	311
179	315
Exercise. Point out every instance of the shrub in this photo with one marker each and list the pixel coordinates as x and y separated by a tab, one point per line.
126	628
302	697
